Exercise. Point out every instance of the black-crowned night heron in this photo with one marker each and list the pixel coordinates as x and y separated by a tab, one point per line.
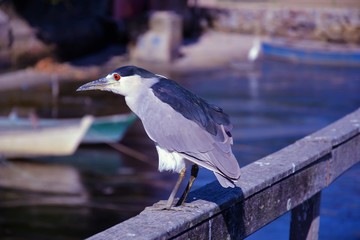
182	125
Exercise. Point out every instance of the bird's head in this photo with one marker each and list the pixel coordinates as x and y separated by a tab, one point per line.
124	80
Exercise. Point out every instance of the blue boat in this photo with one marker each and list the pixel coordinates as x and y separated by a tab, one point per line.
311	52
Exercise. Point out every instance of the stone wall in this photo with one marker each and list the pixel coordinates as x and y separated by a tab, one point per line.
329	24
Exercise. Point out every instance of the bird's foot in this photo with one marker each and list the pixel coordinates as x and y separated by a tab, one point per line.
162	206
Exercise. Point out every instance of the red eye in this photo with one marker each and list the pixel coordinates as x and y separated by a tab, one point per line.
116	76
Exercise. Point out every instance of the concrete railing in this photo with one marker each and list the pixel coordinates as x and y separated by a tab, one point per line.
288	180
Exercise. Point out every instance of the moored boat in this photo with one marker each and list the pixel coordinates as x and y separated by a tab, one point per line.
23	138
306	51
109	129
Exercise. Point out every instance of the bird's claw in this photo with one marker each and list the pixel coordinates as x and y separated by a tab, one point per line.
163	205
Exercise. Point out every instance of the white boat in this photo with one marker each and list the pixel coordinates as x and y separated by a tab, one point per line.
43	137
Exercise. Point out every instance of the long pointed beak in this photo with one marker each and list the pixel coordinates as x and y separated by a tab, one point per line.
99	84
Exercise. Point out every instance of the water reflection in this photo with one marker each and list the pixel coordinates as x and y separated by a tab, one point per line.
271	104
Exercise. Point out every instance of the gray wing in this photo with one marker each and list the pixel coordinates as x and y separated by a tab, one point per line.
174	132
192	107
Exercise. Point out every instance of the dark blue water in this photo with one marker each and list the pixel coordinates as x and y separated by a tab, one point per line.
276	103
271	104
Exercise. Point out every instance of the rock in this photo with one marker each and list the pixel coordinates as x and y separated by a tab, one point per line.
5	39
4	31
26	48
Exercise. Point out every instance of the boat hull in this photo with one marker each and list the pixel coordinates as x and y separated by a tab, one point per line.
309	52
59	139
108	129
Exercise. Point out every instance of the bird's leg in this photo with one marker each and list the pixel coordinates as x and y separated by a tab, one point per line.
176	188
194	173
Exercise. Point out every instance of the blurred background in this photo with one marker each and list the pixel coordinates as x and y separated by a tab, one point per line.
73	164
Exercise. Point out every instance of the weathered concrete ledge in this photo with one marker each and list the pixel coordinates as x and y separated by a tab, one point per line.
268	188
